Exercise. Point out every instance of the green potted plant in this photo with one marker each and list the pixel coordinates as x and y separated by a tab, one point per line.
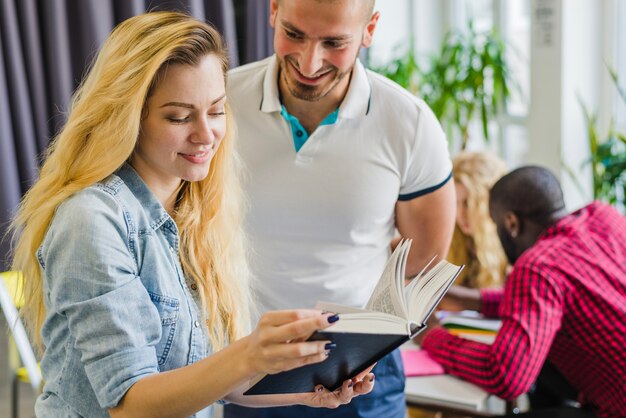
608	156
467	79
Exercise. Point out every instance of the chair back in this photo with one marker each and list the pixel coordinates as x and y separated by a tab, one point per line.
11	296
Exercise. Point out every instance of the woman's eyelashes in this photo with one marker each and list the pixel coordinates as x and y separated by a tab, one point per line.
178	120
219	108
184	119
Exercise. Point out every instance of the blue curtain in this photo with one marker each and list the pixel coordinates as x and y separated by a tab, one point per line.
45	47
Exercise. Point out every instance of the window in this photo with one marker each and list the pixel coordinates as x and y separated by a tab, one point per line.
511	19
620	61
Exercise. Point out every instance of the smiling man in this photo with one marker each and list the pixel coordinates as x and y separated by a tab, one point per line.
339	158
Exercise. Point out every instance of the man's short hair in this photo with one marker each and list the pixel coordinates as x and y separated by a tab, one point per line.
531	192
368	6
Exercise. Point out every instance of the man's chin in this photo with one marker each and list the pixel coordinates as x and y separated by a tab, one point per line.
309	93
307	96
306	93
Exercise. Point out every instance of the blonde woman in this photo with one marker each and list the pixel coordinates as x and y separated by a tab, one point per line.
131	243
475	242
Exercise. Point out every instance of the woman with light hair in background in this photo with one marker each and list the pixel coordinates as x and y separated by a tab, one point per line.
131	245
475	242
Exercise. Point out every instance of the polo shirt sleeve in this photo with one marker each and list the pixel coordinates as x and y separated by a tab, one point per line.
91	279
429	167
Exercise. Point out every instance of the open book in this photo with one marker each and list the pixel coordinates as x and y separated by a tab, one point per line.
394	314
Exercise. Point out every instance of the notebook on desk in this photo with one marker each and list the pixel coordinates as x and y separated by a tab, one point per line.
470	325
446	391
418	362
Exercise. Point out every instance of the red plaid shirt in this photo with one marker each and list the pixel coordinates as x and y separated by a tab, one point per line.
565	301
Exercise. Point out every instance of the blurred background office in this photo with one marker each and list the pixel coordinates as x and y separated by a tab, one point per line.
533	81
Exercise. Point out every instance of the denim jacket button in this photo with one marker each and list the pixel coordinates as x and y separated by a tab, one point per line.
194	286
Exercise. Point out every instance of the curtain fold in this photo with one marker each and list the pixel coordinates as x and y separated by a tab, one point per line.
19	103
223	17
258	34
46	47
57	62
30	35
9	175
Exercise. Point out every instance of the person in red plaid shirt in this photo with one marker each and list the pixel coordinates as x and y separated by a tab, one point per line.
564	301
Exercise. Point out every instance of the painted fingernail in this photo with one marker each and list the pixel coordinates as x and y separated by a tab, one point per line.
372	378
333	318
330	346
351	384
319	389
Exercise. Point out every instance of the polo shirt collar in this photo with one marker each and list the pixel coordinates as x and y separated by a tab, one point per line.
354	105
357	101
271	97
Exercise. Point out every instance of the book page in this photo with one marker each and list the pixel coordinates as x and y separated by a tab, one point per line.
337	308
429	290
387	296
367	322
415	280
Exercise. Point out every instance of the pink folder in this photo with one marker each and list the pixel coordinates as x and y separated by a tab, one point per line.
419	363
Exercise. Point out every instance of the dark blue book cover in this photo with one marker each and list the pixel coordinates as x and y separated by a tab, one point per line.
354	353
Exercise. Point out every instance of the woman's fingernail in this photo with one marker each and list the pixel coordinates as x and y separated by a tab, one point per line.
333	318
330	346
372	378
319	389
351	384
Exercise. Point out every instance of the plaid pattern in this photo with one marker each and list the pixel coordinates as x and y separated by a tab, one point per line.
565	301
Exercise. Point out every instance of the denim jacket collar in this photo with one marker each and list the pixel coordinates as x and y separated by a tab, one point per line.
144	195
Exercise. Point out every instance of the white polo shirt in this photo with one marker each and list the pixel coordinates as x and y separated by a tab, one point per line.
320	220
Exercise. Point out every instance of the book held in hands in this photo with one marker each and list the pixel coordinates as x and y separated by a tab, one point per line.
394	314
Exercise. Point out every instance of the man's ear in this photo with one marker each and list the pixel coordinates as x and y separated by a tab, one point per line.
512	224
273	12
368	32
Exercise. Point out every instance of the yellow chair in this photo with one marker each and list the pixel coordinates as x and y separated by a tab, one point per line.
22	359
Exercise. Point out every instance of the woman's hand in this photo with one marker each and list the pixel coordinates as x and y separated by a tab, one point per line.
323	398
320	398
279	341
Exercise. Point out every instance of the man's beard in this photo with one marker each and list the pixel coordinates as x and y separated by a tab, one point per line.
508	245
307	92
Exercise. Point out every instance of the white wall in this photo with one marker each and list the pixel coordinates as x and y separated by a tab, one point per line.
392	31
545	85
567	63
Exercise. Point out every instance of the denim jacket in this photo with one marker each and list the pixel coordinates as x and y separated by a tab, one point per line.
118	305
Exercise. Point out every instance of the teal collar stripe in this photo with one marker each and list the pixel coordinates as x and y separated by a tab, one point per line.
298	132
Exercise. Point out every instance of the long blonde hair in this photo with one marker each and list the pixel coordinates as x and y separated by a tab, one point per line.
481	252
99	137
